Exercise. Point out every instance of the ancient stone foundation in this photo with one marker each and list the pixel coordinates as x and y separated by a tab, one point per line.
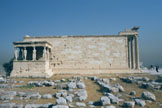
45	56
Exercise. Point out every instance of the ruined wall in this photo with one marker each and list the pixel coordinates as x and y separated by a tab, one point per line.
96	52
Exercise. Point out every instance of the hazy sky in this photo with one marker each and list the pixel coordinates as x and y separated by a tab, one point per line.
82	17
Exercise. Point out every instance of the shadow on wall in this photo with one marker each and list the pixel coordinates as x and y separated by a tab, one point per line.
8	67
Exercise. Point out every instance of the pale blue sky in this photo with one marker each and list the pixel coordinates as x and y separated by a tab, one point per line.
82	17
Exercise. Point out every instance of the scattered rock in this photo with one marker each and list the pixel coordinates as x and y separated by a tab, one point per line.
140	102
36	106
145	79
113	79
35	83
71	85
105	80
80	85
7	105
7	86
57	95
147	85
71	105
92	106
21	94
61	101
40	83
105	100
57	81
129	104
7	95
127	79
72	95
49	105
48	83
63	80
114	89
82	94
148	96
110	106
20	81
76	98
82	98
159	79
18	106
32	95
63	93
132	93
113	99
61	86
69	99
60	106
148	101
80	104
47	96
11	93
90	102
121	89
93	78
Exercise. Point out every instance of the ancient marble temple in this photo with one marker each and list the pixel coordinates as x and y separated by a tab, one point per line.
91	54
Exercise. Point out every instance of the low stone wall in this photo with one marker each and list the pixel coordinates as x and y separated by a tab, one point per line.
31	69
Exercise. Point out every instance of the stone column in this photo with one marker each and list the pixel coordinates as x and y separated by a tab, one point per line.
15	53
132	53
44	53
34	53
129	53
25	53
137	52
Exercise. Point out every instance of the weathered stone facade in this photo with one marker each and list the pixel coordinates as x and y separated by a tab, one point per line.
45	56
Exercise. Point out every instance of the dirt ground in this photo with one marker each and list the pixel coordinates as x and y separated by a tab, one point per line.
93	90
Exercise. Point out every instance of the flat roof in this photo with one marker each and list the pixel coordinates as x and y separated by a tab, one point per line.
31	43
75	36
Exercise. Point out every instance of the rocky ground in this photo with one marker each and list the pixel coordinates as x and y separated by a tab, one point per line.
75	91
